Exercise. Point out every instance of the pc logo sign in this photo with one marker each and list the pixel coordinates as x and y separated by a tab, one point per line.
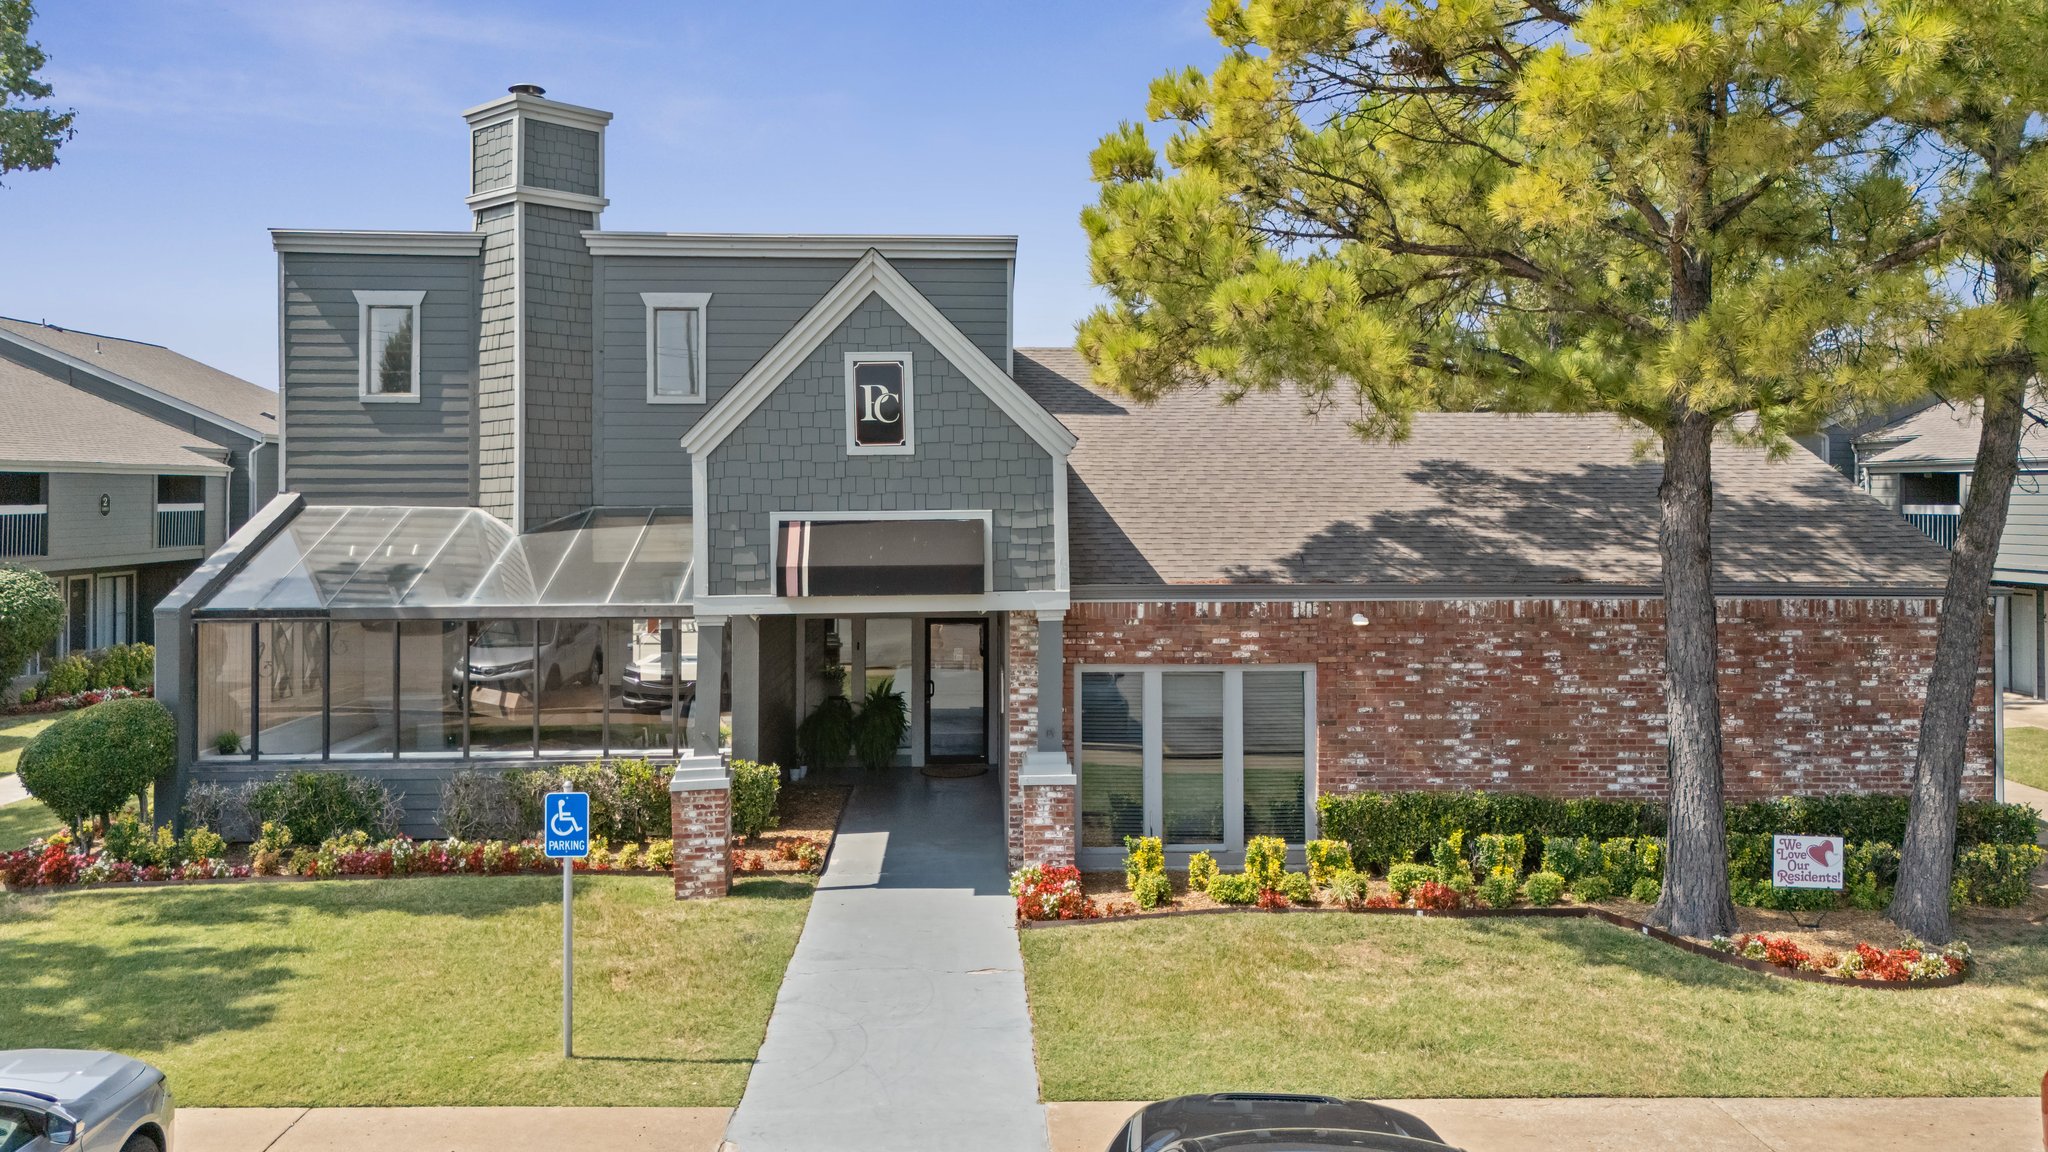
566	826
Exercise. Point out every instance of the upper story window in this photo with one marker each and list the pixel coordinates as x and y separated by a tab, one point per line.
23	489
24	514
1939	489
878	403
390	353
675	346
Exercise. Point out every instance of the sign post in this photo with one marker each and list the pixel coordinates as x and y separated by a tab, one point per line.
1807	862
566	836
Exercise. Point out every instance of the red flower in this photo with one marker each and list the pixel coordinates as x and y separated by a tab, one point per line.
1439	897
1268	898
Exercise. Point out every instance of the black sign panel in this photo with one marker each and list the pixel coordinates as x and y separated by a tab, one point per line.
879	419
881	558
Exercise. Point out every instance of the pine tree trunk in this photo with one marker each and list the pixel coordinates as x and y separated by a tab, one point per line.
1695	900
1927	859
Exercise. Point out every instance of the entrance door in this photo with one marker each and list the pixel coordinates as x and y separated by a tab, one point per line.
956	690
78	614
111	615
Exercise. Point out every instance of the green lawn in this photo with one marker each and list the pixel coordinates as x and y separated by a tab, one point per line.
16	732
1391	1006
407	992
2026	756
23	821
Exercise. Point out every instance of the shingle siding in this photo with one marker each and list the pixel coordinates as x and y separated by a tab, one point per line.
497	370
341	450
559	367
492	159
561	158
790	455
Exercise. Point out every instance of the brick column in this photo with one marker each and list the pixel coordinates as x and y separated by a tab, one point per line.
1043	787
700	819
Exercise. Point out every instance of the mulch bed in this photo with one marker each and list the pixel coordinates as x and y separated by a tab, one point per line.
806	812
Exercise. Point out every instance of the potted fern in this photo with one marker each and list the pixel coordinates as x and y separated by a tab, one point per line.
879	726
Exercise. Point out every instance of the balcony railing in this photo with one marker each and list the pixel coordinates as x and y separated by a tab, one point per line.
24	530
1938	526
180	525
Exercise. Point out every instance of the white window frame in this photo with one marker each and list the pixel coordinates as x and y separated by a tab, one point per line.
657	302
366	300
909	445
1231	851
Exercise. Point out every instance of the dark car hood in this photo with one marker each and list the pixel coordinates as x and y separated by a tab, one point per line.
1241	1115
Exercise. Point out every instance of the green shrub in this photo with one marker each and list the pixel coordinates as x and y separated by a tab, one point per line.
1592	888
1501	852
1406	878
1201	870
1499	888
629	799
1567	856
1151	889
1762	894
1645	890
1386	828
1265	861
316	806
754	790
1998	874
1544	888
91	761
1297	888
1620	862
228	742
1348	888
1859	818
1864	893
1232	888
69	675
128	838
130	666
1326	858
482	805
1452	866
31	614
1143	856
203	844
825	738
879	726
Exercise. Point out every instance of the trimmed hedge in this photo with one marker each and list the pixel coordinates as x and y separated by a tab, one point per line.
91	761
1386	828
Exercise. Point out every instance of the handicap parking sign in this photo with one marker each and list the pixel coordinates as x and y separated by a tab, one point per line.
566	828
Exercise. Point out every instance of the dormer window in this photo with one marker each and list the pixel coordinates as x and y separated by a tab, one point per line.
390	364
675	346
878	403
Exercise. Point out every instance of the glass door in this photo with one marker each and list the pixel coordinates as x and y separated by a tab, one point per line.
1191	755
956	690
110	627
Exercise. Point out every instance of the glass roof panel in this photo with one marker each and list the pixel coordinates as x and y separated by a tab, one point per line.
456	561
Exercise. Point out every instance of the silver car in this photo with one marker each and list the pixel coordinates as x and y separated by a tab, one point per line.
53	1098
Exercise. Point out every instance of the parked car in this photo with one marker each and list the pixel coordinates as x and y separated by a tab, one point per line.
571	651
52	1098
651	660
1273	1122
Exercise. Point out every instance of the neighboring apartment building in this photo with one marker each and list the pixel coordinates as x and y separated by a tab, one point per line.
1920	467
550	486
122	464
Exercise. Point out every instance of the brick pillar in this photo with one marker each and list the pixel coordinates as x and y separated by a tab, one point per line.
700	819
1043	786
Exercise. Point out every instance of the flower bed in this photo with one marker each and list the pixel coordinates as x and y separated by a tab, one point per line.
77	700
1914	963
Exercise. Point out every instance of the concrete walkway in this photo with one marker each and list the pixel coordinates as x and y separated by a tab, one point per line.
901	1025
11	789
1996	1124
448	1129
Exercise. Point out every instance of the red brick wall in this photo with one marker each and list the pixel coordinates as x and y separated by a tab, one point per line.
1041	818
701	821
1566	696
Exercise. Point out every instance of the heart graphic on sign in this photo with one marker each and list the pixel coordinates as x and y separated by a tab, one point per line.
1820	852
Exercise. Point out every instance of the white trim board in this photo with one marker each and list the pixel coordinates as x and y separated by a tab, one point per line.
773	244
362	243
93	468
762	605
873	275
366	299
531	107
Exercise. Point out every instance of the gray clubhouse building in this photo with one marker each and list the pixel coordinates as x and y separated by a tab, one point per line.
549	492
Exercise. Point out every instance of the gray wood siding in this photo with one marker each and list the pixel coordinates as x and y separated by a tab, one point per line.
790	455
2023	552
754	302
341	450
81	538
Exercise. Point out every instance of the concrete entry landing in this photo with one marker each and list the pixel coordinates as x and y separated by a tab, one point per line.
902	1024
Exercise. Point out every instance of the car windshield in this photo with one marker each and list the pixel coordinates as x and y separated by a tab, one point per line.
15	1129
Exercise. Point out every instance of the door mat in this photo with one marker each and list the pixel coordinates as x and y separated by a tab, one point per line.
954	771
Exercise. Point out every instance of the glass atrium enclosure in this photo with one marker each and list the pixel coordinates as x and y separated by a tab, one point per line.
377	633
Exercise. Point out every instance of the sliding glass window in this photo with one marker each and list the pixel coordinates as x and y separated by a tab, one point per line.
639	670
571	686
1276	754
1191	758
291	679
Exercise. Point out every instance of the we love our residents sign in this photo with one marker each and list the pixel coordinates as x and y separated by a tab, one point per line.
1806	862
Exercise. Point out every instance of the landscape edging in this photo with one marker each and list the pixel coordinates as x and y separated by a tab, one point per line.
1571	912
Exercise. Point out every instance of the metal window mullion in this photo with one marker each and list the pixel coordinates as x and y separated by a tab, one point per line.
604	686
1233	759
327	691
1309	829
645	526
675	682
468	641
397	710
255	689
535	681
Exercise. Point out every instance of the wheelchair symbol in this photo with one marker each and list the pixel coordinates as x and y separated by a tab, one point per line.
563	823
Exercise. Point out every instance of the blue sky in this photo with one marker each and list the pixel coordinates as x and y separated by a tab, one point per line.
201	125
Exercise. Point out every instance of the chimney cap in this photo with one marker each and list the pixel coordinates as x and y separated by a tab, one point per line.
527	90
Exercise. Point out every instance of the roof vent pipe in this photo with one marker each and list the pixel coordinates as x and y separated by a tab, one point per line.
527	90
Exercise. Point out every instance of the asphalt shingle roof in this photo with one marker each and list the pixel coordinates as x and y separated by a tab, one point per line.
51	423
157	367
1944	434
1192	492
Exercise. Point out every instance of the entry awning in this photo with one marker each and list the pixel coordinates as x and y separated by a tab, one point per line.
882	557
382	561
